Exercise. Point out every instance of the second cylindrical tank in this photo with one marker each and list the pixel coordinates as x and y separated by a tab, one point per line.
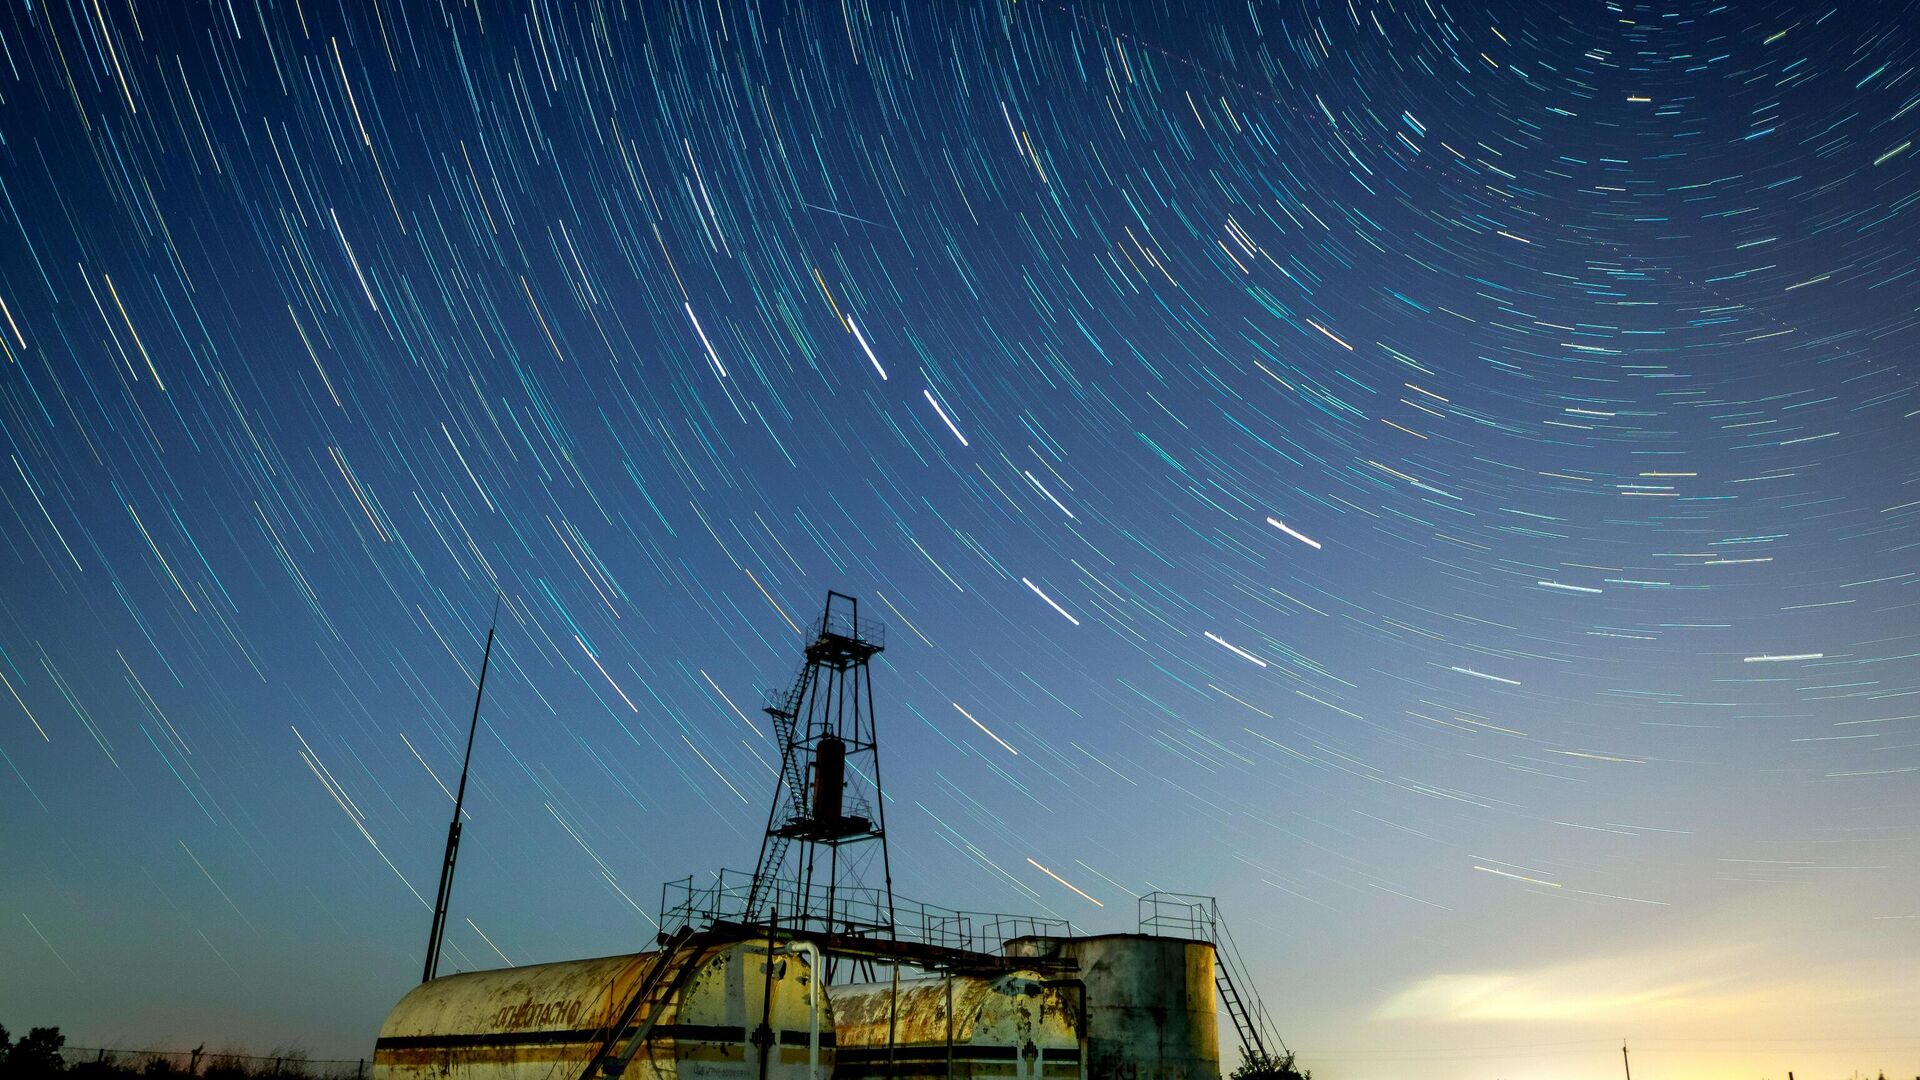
1150	1004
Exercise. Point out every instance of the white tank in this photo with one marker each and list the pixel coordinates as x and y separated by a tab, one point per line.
546	1021
1017	1026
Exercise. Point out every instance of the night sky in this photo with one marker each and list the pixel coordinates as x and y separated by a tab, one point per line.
1441	477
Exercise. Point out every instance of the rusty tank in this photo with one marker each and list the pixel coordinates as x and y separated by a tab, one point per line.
548	1021
1151	1012
1017	1026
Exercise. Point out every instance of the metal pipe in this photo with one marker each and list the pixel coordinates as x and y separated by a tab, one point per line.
893	1019
819	989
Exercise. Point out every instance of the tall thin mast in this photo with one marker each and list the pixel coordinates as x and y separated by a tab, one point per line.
453	831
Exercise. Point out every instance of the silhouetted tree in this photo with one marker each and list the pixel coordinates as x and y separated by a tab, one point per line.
36	1054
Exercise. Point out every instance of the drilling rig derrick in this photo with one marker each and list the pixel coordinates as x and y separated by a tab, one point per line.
823	862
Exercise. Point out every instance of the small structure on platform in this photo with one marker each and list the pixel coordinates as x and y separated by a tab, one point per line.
810	968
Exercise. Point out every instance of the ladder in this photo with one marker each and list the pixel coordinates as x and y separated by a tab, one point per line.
1250	1018
659	987
785	711
1252	1046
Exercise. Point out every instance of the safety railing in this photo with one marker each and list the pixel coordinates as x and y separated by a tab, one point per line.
841	621
1182	915
860	911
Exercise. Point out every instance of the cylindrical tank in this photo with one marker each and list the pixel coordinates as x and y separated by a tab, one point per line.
546	1021
1150	1004
1017	1026
829	779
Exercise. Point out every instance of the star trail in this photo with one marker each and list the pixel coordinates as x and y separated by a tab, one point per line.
1444	478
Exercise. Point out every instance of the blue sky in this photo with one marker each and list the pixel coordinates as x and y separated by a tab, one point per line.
1439	477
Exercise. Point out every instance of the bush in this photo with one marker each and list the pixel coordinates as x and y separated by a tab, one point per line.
1281	1068
37	1056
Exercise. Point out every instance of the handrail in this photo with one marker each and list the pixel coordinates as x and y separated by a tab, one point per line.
855	910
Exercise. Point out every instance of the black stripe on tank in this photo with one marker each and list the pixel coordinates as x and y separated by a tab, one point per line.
920	1055
720	1033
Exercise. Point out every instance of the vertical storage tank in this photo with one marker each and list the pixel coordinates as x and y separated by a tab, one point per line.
1150	1004
1017	1026
546	1021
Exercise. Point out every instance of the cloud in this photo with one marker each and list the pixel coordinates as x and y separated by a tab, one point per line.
1695	984
1756	963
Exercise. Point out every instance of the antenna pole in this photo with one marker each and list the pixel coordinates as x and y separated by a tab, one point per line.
453	831
1623	1059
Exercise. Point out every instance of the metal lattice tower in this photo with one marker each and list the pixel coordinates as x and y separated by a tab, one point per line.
826	829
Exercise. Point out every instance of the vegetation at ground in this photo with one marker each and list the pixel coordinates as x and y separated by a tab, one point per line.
1280	1068
43	1052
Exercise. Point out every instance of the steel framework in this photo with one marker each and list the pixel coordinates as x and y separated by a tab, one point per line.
827	826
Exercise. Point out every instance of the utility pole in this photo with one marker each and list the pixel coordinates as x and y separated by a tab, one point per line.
1623	1059
453	831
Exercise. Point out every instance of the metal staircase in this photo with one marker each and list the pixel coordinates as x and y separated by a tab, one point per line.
784	708
1252	1045
657	989
1250	1017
